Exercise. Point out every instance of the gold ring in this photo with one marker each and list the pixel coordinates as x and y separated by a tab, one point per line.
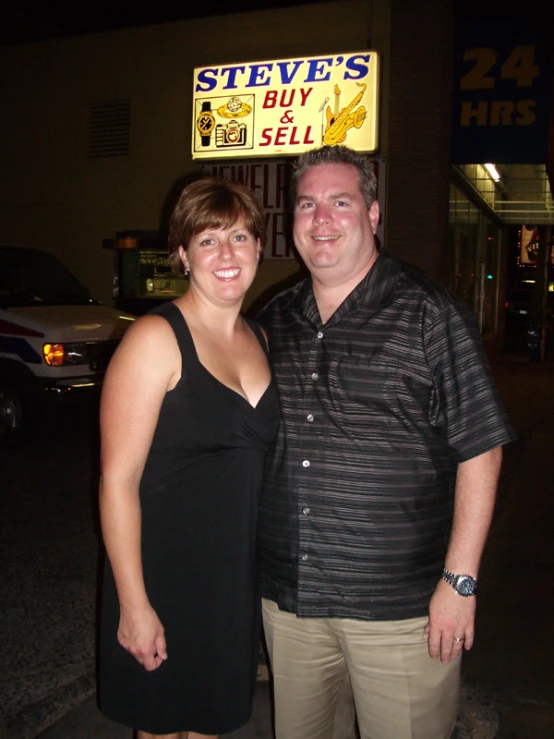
458	638
244	109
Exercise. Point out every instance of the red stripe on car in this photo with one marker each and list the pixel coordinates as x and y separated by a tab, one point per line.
14	329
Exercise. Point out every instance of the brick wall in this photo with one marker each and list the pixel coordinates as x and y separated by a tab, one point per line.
419	126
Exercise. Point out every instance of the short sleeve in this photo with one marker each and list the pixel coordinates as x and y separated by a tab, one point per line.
467	404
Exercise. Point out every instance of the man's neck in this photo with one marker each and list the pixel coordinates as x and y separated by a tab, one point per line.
329	297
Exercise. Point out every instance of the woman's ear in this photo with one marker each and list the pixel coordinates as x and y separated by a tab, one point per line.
183	257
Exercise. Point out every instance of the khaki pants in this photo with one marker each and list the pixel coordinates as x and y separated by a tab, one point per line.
399	691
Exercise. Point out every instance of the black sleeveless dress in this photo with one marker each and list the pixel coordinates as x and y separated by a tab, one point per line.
199	499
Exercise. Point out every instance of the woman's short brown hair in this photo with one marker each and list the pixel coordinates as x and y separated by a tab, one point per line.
213	202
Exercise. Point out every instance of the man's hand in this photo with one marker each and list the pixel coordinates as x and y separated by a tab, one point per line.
451	617
141	633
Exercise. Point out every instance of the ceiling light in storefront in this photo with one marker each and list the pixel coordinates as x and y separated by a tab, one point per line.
494	173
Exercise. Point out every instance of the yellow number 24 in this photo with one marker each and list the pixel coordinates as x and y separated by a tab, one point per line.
519	66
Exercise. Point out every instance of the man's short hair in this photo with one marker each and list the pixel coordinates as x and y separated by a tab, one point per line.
340	155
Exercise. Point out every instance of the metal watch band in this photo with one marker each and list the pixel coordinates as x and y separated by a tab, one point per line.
457	582
449	577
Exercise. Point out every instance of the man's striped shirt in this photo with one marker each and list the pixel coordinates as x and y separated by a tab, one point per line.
379	406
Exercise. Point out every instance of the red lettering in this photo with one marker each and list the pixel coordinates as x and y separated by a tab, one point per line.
266	135
304	94
280	137
293	134
285	136
270	100
284	102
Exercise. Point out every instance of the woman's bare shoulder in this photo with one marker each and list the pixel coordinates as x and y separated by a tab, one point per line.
148	343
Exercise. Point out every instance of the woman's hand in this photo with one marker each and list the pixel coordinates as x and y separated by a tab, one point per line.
141	633
146	364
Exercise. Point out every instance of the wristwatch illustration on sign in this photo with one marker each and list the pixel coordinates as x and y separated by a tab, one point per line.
233	131
205	123
462	584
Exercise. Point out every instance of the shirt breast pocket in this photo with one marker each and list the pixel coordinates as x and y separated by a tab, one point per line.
366	379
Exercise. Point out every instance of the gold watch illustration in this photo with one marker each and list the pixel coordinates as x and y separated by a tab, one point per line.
205	123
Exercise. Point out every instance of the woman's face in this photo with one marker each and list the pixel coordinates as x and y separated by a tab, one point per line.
222	263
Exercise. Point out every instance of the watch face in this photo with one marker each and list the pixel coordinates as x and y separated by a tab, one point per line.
465	585
205	123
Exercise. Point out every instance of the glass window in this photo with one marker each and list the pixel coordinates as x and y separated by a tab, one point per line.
490	279
464	229
474	259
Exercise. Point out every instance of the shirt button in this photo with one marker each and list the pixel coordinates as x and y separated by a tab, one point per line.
306	463
310	417
319	334
314	375
304	557
305	511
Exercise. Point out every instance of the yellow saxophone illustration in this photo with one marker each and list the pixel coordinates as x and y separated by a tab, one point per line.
338	124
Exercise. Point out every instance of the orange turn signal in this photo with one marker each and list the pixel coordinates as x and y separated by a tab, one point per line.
53	354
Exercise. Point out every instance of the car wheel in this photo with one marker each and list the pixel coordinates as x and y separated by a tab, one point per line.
14	415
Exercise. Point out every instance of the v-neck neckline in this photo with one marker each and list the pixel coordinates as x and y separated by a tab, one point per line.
218	381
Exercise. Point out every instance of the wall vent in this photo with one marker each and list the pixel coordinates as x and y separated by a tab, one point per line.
109	128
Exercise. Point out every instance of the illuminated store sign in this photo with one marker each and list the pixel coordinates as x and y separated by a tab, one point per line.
275	108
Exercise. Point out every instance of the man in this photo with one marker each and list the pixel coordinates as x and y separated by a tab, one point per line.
379	493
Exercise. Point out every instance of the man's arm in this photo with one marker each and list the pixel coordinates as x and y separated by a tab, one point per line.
452	615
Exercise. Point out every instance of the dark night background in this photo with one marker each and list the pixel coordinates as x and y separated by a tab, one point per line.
35	20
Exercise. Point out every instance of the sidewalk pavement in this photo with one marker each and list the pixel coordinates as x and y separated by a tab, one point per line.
508	678
86	722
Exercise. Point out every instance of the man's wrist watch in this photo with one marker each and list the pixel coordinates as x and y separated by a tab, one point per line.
462	584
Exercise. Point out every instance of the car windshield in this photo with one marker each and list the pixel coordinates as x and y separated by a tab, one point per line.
33	277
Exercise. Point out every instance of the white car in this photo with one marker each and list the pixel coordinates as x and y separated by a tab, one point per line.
54	338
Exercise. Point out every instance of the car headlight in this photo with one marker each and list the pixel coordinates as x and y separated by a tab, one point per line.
57	355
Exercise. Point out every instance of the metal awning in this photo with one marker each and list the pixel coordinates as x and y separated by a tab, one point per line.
521	195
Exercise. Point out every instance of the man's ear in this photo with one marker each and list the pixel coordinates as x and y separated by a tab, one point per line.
374	215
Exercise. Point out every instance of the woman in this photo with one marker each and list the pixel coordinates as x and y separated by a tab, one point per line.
188	409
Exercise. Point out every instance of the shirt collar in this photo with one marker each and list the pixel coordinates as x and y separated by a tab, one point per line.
370	293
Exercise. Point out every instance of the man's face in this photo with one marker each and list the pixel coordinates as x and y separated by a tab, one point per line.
333	228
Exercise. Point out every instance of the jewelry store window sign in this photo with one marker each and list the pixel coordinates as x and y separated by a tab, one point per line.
287	106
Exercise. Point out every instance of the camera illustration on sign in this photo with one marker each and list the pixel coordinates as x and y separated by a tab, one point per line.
283	107
231	131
